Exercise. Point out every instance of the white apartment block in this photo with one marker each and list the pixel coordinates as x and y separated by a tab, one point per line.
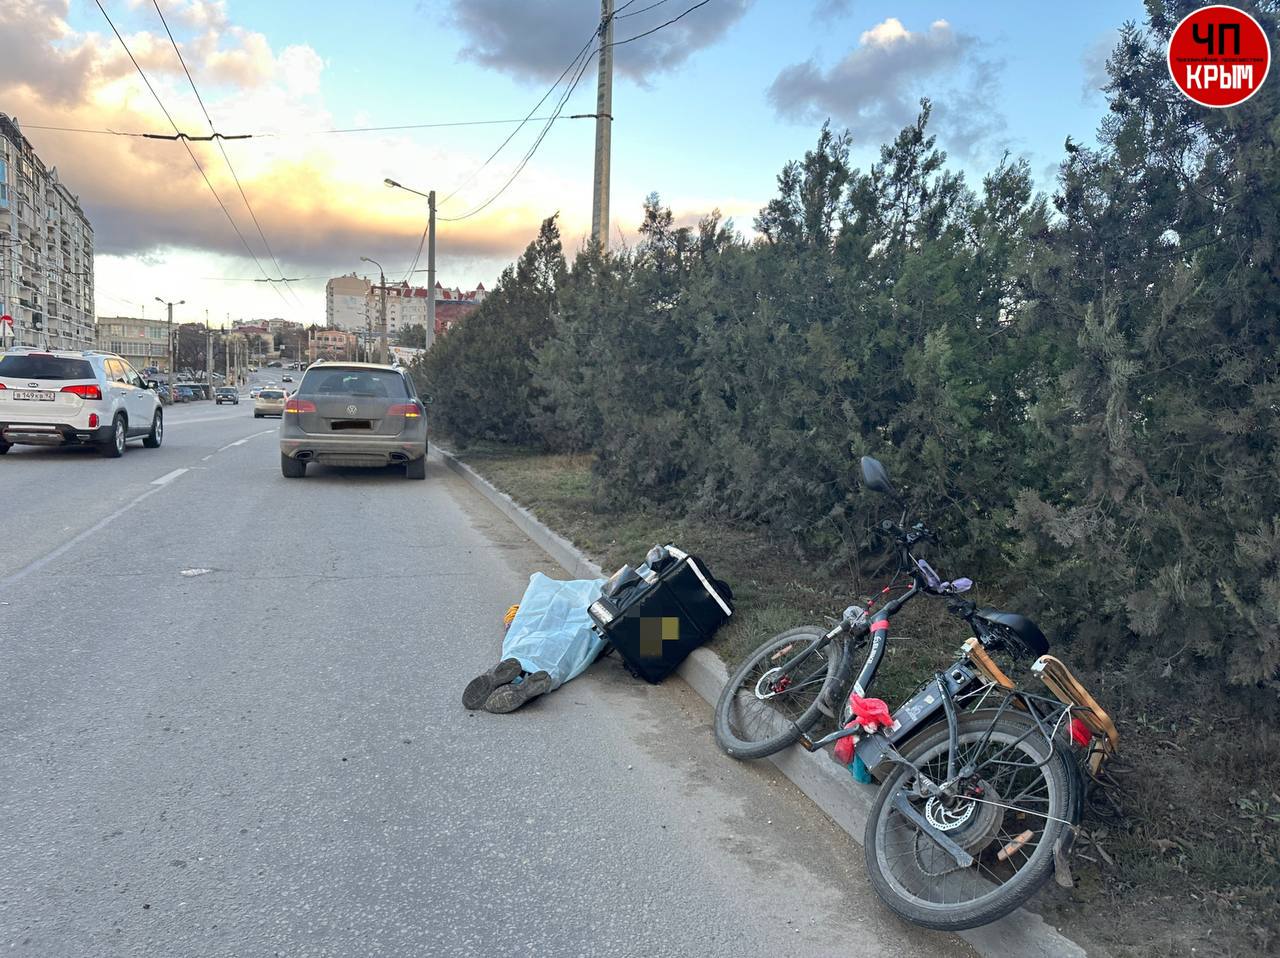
46	251
346	302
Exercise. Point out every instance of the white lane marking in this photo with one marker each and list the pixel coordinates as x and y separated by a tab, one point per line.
182	422
168	477
73	541
206	458
241	442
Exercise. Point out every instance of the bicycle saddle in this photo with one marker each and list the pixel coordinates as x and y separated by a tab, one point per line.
1019	627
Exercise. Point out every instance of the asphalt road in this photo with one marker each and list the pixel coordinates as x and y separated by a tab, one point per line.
230	725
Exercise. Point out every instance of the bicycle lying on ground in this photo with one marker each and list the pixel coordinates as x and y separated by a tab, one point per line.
981	783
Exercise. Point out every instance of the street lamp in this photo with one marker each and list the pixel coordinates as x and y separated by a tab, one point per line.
382	286
173	351
431	252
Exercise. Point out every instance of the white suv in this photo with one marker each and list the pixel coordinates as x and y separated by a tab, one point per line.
59	397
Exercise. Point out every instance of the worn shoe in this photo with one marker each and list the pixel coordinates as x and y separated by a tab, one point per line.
511	697
481	687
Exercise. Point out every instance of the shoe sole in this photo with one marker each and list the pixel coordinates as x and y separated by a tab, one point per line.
481	687
511	697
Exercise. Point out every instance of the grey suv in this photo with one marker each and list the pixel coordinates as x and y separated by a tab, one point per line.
354	414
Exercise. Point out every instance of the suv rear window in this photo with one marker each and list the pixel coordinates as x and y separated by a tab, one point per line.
34	366
382	383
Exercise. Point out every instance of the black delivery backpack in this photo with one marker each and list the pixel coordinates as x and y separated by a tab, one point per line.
657	614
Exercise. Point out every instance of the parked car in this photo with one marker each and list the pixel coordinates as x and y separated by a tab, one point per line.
75	397
227	394
185	393
270	402
354	414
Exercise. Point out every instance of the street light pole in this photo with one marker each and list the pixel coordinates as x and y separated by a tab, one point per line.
382	324
173	350
431	255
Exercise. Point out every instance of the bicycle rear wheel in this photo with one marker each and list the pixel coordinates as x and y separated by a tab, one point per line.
777	693
1021	803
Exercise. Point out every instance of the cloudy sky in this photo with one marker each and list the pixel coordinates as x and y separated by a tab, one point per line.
707	111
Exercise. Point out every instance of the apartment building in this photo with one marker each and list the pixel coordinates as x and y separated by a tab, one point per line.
346	302
356	303
46	251
142	342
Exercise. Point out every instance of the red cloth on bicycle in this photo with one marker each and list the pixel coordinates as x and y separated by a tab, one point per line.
871	714
868	714
844	748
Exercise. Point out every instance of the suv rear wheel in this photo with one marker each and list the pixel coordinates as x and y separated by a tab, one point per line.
113	448
4	447
156	436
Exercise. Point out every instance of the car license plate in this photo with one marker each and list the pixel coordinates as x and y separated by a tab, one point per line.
33	395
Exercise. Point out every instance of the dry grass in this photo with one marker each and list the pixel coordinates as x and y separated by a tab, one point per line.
1190	862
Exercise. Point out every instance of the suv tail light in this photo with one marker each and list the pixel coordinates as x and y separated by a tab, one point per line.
410	410
299	405
84	392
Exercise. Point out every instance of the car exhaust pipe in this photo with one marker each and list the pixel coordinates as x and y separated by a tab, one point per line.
304	456
399	458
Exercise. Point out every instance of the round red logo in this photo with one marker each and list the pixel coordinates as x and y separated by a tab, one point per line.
1219	56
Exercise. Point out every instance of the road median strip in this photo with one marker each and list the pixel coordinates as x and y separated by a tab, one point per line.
830	787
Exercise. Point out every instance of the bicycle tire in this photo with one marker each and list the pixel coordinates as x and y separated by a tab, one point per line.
730	740
1004	898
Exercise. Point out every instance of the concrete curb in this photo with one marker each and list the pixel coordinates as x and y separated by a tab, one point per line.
1023	934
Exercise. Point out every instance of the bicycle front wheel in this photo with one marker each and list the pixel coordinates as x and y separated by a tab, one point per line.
1009	816
777	693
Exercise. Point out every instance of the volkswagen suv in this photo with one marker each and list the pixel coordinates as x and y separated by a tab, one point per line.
75	397
354	414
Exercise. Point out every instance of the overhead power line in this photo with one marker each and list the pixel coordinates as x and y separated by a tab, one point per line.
264	134
501	146
636	13
225	156
564	99
185	144
660	26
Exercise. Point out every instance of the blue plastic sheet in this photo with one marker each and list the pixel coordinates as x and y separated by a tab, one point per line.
552	631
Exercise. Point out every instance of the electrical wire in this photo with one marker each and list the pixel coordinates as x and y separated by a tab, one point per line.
618	43
263	134
572	63
636	13
186	146
532	149
225	156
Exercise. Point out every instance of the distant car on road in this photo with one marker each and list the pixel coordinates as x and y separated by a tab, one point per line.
227	394
354	414
253	392
270	402
75	397
286	379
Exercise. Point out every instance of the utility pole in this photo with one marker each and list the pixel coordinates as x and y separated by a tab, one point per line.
604	126
208	355
173	347
431	269
382	326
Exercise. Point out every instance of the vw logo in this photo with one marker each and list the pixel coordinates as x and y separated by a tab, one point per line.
351	410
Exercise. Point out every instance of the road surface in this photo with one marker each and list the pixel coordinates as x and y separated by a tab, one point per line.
232	726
